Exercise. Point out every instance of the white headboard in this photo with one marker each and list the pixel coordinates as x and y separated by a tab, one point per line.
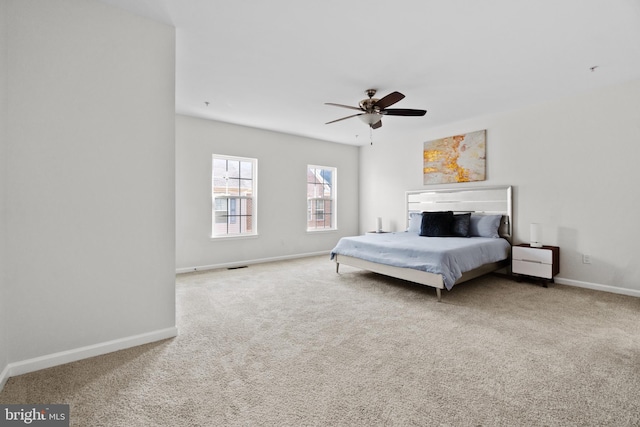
482	200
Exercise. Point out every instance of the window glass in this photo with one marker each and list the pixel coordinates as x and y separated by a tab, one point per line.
234	194
321	199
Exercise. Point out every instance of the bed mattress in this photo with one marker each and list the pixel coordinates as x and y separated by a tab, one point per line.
447	256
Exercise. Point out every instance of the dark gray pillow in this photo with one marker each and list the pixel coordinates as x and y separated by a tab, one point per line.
436	224
460	225
484	225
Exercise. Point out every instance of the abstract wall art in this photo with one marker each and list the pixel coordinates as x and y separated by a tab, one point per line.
459	158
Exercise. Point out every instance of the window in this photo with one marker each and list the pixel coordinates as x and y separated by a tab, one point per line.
321	198
233	193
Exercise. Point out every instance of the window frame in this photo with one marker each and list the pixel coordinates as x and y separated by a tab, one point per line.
313	201
232	199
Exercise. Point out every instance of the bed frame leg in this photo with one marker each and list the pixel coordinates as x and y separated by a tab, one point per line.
337	267
439	294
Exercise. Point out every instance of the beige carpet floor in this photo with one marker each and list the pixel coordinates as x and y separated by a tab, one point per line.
295	344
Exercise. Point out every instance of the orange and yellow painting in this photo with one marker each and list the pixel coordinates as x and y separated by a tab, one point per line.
459	158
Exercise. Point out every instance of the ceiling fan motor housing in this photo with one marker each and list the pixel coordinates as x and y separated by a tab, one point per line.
369	106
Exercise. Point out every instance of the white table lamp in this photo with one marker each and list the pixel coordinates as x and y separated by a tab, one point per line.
536	235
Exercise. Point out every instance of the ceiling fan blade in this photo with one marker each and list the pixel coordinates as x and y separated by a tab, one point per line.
403	112
343	106
388	100
344	118
377	124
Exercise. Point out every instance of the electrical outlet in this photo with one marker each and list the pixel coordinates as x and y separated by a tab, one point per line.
586	259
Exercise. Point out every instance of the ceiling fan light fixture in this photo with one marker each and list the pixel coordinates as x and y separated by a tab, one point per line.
370	118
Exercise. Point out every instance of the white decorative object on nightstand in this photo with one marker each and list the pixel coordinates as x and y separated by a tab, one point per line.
542	262
536	235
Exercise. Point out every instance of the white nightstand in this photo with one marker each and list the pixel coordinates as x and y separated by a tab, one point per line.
543	262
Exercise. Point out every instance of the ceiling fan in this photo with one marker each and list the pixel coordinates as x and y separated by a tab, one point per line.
372	109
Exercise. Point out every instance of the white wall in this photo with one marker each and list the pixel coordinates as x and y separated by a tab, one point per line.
573	165
282	163
4	347
90	219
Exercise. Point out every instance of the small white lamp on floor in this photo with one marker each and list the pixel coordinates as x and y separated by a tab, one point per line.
536	235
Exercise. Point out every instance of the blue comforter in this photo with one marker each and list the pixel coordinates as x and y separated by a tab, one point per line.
448	256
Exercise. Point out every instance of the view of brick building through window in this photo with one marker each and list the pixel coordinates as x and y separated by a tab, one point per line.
321	183
233	194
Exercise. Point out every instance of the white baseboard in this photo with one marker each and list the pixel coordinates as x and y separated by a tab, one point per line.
4	376
598	287
55	359
247	262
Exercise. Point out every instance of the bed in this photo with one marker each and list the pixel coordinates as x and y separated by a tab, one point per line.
439	262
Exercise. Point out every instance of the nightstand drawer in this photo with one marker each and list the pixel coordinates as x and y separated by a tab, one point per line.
536	255
529	268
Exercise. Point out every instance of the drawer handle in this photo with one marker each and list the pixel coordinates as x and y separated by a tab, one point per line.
532	260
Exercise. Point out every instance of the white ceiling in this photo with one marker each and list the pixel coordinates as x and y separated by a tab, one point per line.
273	64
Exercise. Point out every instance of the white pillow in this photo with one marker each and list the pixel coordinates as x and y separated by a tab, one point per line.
415	222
